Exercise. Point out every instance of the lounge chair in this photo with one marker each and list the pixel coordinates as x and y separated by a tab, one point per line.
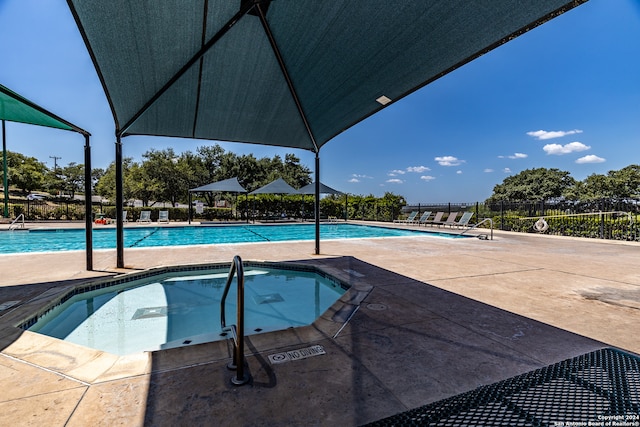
451	220
464	220
163	216
410	218
436	219
423	218
145	216
124	216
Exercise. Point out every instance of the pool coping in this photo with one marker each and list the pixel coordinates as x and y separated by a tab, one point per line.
91	366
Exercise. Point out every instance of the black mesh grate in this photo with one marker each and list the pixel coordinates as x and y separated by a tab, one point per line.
601	388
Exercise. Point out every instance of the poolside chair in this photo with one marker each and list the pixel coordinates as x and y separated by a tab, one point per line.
451	220
423	218
436	219
163	216
124	216
409	219
464	220
145	216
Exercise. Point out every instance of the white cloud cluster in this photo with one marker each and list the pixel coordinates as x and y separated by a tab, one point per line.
449	161
518	156
572	147
488	170
396	172
590	159
506	170
427	177
395	181
418	169
544	134
358	177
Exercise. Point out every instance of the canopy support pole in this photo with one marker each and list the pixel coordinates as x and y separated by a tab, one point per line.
88	203
119	206
190	208
317	203
5	179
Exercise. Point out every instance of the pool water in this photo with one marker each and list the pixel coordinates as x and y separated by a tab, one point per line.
140	237
177	309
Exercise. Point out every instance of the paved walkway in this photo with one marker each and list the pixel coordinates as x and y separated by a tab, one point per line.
439	317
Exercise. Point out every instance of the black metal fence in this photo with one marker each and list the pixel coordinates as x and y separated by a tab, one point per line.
601	219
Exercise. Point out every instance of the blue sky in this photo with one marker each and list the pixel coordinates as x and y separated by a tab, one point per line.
565	95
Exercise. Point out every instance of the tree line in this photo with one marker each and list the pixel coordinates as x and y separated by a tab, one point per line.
162	175
542	184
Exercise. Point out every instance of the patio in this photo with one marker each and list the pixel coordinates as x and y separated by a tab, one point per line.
442	317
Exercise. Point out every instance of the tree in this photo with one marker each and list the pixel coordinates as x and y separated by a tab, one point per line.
625	183
533	184
26	173
106	185
72	177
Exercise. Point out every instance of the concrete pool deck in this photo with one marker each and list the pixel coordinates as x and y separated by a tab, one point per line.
439	317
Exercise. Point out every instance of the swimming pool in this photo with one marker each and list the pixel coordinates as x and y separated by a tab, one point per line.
170	309
141	236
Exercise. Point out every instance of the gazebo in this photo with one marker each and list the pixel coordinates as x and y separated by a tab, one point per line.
287	73
16	108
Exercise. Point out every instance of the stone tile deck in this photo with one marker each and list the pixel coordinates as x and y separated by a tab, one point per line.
440	317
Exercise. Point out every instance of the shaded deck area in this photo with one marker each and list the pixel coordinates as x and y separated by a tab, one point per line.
434	318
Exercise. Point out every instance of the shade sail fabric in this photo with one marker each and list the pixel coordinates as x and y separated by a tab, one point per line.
16	108
279	186
231	185
324	189
291	73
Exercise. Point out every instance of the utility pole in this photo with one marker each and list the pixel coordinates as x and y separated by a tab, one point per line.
55	169
55	163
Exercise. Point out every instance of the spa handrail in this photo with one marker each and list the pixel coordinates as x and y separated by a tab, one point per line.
236	330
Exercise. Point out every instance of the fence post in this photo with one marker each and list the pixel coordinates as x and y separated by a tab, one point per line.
501	214
601	219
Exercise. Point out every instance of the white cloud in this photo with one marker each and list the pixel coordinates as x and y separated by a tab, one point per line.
459	172
357	176
544	134
590	159
558	150
487	170
501	157
427	177
396	172
395	181
449	161
418	169
506	170
354	180
518	156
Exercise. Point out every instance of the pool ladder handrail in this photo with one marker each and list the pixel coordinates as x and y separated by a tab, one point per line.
14	224
237	330
473	227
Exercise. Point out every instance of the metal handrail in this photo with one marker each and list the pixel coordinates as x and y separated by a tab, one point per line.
13	225
476	225
237	331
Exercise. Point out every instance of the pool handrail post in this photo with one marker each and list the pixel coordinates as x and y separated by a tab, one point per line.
237	330
5	178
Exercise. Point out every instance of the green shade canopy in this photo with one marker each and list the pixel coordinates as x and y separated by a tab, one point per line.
15	108
291	73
